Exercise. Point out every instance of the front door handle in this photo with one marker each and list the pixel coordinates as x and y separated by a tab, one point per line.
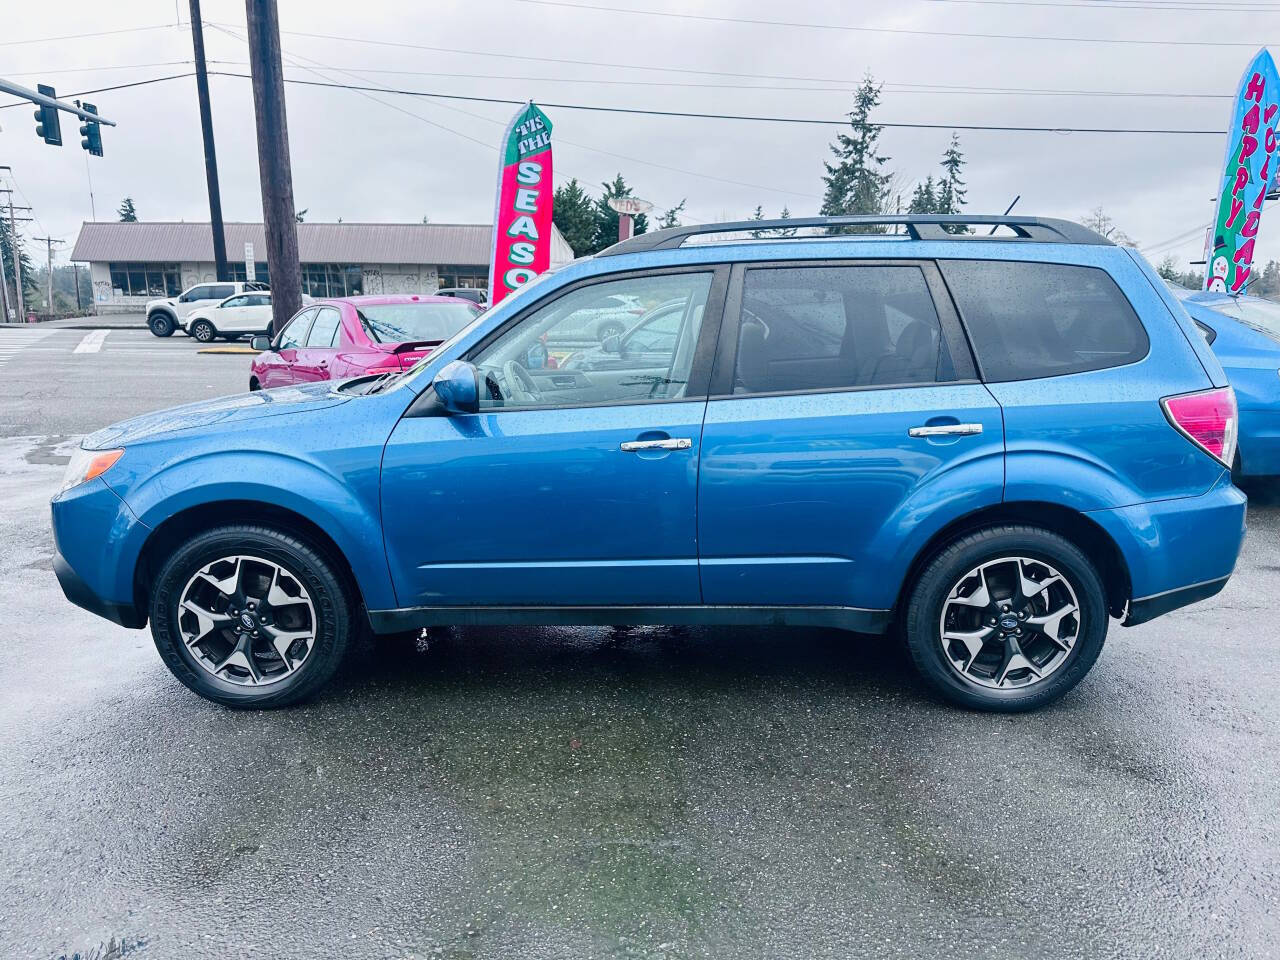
672	443
946	430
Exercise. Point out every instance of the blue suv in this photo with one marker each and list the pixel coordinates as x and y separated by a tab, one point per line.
990	445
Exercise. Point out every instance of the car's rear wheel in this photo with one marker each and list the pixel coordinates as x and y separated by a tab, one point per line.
1006	619
254	384
202	330
161	324
249	616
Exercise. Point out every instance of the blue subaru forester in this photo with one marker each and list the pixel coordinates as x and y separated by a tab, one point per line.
991	444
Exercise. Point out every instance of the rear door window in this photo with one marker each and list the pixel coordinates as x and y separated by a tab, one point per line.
222	291
1033	320
324	329
837	328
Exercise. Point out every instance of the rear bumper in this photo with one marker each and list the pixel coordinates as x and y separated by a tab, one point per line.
1148	608
1177	551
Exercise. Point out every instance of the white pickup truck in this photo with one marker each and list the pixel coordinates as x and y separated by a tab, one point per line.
168	315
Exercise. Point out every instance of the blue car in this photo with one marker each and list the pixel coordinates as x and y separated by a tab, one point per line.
1244	332
991	444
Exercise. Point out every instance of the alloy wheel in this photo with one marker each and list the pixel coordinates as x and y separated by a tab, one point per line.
247	620
1009	623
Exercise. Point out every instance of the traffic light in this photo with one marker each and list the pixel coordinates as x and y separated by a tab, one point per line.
91	132
48	125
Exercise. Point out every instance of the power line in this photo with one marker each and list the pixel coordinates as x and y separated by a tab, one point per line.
81	36
999	128
901	31
117	86
932	89
1171	5
118	66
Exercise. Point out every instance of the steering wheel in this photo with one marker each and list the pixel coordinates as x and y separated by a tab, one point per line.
520	383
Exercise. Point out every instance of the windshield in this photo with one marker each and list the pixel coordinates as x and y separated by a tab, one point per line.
408	322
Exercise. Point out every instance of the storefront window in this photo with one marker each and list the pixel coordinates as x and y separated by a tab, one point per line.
238	272
332	279
470	277
146	279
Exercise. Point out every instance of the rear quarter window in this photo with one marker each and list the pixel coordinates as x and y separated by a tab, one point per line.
1033	320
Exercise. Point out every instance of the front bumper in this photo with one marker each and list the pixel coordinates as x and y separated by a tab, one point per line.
79	593
97	541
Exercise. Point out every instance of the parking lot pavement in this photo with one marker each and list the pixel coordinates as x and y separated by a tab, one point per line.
647	793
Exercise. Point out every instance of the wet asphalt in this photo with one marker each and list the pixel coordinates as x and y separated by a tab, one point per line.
597	793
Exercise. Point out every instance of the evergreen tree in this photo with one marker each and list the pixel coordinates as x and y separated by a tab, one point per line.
924	199
757	216
607	217
951	189
671	218
574	215
856	181
30	286
786	231
128	212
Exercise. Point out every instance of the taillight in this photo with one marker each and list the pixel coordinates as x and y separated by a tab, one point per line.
1208	419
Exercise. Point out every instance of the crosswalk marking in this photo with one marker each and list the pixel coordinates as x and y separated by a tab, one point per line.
11	341
92	342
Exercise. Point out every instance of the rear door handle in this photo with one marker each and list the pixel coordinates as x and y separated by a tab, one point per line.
673	443
946	430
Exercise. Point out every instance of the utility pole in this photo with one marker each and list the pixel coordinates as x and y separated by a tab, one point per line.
273	160
210	154
48	244
75	269
15	251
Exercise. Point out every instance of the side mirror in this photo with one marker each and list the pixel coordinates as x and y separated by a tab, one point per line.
260	342
611	344
457	387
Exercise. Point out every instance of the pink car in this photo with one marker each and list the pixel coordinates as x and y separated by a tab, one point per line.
354	336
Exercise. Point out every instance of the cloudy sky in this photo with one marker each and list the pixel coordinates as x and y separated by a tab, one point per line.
397	158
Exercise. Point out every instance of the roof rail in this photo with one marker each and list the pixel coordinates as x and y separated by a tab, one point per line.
929	226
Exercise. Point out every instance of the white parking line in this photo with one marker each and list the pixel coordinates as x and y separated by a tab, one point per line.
92	342
12	341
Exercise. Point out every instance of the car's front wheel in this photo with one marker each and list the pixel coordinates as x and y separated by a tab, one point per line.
1008	618
249	616
202	330
161	324
610	328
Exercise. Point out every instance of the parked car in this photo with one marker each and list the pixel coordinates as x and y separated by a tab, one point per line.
608	316
477	295
1244	332
993	444
246	313
165	316
353	336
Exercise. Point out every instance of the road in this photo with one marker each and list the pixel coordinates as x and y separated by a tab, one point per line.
574	793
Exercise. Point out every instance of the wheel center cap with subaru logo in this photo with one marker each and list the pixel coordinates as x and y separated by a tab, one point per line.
248	621
1008	622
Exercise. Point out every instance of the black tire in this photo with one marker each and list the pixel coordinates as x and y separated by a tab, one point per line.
315	571
161	324
610	328
925	609
254	384
202	331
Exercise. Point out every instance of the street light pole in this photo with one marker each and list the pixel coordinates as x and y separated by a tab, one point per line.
274	171
210	154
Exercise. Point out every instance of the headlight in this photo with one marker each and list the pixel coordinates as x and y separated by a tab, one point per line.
87	464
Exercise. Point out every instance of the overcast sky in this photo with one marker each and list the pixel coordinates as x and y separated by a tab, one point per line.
363	160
